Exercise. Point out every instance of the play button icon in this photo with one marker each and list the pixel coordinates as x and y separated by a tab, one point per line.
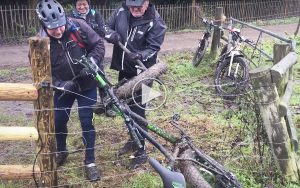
149	94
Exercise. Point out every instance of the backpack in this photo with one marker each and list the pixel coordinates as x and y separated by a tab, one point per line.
75	35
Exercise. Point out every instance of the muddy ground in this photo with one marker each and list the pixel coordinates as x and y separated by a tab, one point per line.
16	55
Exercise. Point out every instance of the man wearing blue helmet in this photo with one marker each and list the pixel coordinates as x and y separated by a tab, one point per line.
94	19
139	27
70	79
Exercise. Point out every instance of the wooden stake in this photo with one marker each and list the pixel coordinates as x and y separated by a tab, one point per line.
217	33
41	69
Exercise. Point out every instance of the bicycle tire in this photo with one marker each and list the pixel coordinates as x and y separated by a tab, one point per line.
229	87
125	90
201	49
190	172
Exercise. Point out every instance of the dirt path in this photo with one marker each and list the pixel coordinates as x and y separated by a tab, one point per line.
16	55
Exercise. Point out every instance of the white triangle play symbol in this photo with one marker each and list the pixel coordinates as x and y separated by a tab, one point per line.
148	94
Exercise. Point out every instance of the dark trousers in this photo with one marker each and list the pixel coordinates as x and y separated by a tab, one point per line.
62	113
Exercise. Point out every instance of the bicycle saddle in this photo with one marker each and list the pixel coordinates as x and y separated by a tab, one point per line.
170	179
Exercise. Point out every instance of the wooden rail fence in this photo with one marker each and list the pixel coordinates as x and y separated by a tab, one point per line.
41	93
273	88
272	91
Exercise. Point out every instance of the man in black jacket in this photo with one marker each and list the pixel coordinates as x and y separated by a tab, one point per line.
71	79
139	27
94	19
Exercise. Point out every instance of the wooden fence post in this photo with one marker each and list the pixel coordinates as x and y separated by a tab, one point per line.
194	12
284	59
266	95
217	33
44	117
280	51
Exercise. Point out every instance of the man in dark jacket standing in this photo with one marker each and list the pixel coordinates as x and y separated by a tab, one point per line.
71	79
139	27
95	21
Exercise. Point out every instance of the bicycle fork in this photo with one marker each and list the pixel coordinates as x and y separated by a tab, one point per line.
232	55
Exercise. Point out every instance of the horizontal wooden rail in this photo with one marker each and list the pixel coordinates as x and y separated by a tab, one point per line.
284	100
292	130
280	68
17	92
16	172
18	133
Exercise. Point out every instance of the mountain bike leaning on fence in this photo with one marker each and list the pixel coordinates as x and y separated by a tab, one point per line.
185	157
203	42
232	73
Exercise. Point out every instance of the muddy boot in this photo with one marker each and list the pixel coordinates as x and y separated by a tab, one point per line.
61	158
109	112
92	172
140	157
128	147
99	108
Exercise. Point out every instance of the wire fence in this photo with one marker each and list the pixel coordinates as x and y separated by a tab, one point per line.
225	141
20	21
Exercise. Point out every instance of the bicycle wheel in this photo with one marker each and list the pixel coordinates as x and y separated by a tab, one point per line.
146	77
229	85
190	172
201	49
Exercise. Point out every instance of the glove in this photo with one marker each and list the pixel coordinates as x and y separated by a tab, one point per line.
134	56
68	88
113	37
84	72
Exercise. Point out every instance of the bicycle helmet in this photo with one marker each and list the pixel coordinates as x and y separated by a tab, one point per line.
51	14
135	3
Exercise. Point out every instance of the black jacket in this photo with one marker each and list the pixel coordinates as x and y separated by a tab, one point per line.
65	53
145	36
93	18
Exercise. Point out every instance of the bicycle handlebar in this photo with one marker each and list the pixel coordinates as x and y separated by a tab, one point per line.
238	34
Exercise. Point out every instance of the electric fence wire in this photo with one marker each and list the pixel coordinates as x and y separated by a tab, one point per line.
41	146
38	116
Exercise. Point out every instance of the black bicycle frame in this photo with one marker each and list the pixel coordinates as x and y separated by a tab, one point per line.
135	131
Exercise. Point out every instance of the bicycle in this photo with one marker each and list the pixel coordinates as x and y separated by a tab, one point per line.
232	73
203	42
185	155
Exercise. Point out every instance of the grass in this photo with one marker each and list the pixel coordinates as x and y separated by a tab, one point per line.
276	21
144	180
15	75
